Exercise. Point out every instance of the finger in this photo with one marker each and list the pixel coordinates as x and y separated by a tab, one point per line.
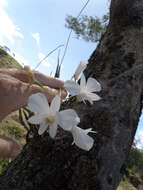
9	148
50	93
13	94
48	81
15	73
43	79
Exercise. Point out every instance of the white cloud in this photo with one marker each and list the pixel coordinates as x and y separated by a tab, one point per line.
3	3
8	30
139	139
45	62
36	36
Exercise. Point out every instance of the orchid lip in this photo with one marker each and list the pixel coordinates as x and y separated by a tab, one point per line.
83	94
50	119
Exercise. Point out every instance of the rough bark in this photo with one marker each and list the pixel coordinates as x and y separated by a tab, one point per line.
117	64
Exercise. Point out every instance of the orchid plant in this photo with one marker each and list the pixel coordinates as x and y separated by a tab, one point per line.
50	118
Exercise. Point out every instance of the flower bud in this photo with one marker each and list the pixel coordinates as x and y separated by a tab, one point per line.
81	67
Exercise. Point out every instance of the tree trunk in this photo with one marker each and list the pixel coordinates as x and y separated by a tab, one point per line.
47	164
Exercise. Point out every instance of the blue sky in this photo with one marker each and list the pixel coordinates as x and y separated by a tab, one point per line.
46	19
32	28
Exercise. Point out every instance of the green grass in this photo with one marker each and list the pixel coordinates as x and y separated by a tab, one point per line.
6	61
126	185
3	164
132	180
134	174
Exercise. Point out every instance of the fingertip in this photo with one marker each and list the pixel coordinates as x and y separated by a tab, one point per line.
48	81
60	83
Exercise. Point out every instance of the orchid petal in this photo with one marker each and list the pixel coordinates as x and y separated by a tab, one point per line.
89	99
37	103
82	82
43	127
37	119
93	85
67	119
55	105
93	96
53	130
81	139
72	87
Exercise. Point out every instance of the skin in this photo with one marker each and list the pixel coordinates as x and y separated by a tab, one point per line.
15	90
9	148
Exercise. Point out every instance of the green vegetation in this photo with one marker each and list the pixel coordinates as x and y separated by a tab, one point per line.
88	28
12	128
133	179
126	185
3	164
135	160
7	61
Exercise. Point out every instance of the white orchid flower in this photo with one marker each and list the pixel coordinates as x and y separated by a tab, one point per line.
84	91
45	115
49	117
81	138
81	67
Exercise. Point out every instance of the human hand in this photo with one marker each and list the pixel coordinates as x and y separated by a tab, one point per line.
15	90
9	148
